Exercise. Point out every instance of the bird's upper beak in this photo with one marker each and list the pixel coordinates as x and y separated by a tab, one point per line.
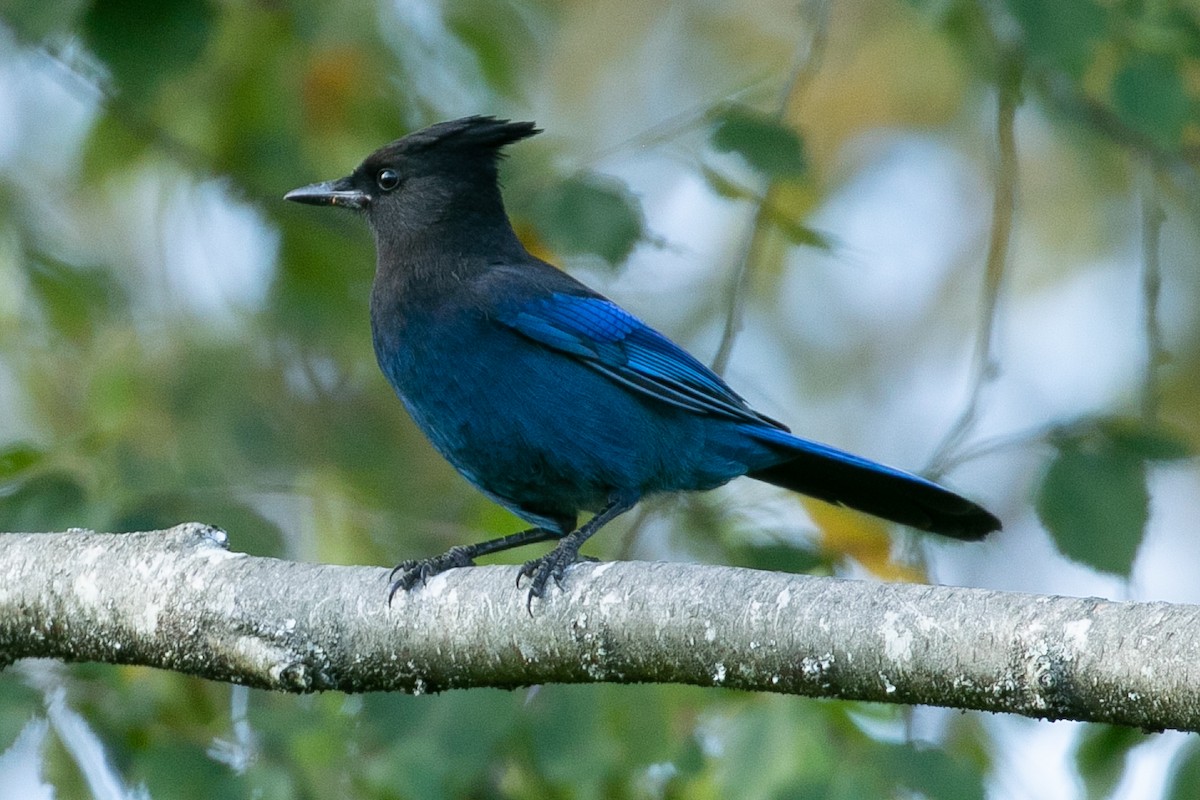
331	193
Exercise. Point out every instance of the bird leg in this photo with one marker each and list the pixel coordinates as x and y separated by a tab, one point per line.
412	572
554	564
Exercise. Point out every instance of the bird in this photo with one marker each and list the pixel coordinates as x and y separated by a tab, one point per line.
548	397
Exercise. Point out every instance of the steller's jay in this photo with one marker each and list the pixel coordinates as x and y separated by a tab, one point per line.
547	396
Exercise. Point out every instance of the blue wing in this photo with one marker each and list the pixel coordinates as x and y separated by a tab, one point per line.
612	341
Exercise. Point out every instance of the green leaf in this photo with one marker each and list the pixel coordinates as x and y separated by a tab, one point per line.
724	187
798	232
1101	756
1094	501
1152	444
1063	33
932	773
590	214
143	41
776	556
767	144
74	299
1186	772
17	458
45	502
1148	93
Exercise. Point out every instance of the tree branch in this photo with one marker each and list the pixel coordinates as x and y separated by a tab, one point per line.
179	600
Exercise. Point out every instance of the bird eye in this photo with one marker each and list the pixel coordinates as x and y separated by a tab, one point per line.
387	179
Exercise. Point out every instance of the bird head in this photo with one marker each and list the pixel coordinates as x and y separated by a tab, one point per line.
422	170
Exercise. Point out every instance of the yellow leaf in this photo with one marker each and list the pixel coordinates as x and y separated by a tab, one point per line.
861	537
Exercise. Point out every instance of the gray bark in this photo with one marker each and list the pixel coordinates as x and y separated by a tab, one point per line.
179	600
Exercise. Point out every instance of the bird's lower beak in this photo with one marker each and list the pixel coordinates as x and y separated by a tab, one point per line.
330	193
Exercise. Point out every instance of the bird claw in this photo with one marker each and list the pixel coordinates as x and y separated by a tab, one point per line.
540	570
420	571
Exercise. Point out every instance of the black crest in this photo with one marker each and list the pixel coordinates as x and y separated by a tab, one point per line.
474	131
474	134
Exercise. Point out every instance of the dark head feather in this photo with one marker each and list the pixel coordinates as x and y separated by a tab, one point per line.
468	136
475	131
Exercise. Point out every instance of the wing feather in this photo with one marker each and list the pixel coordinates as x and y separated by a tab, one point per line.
612	341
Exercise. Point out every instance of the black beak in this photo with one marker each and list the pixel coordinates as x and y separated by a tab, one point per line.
330	193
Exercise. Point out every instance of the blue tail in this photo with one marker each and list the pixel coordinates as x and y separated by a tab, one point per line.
847	480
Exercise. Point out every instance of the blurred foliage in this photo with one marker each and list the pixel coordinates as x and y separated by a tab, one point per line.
784	207
145	42
1186	772
768	145
134	399
1124	68
587	214
1094	498
1101	757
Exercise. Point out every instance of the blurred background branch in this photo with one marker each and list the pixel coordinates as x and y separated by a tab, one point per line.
985	362
810	51
1156	352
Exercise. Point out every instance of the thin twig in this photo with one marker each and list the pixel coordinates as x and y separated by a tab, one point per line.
736	310
986	365
1152	219
995	444
804	67
669	129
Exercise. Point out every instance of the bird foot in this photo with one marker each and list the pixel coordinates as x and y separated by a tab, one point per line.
413	572
552	565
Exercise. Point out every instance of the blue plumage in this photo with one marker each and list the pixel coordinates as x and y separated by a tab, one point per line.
548	397
614	342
